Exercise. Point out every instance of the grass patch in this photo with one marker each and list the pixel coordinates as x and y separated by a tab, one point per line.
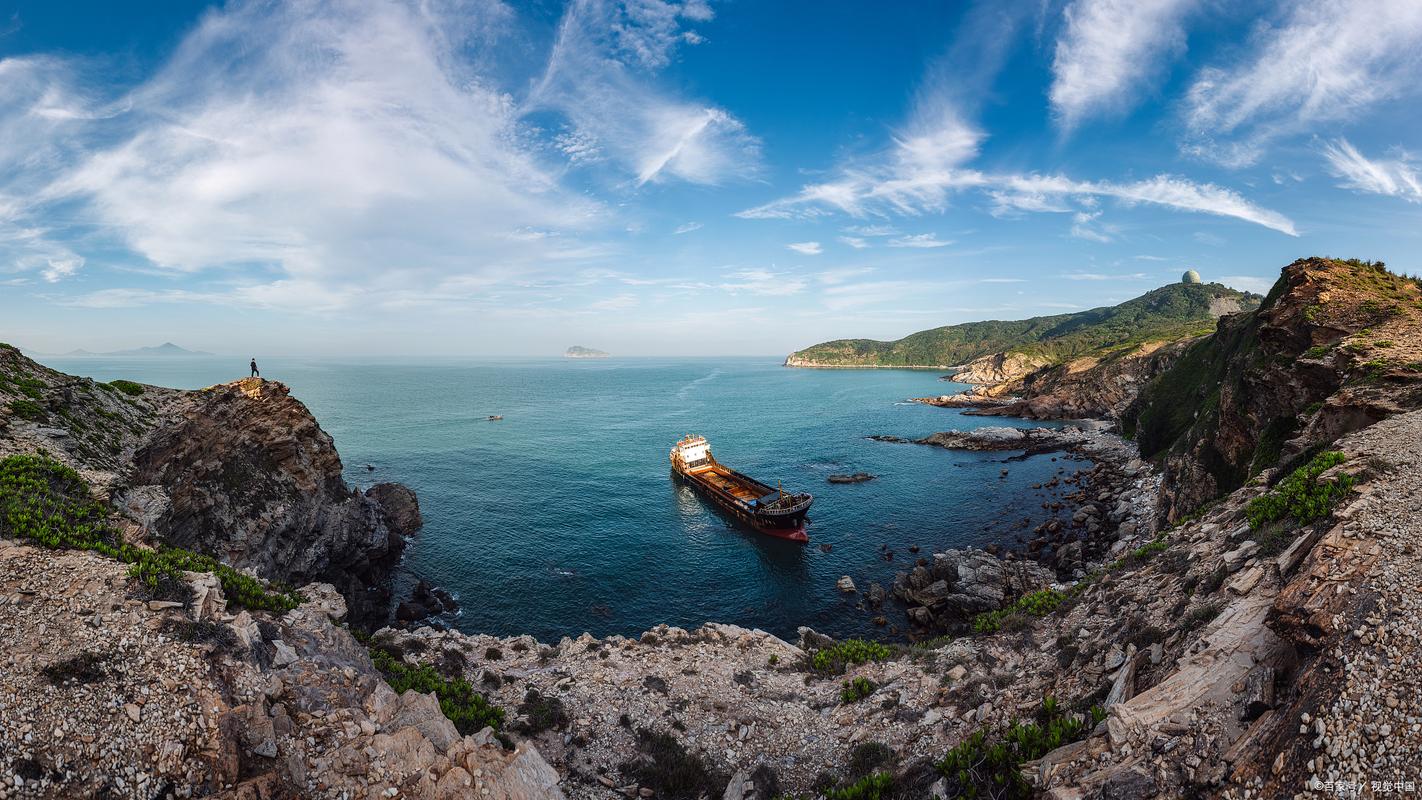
48	504
28	409
1301	496
543	713
469	710
127	387
835	658
989	766
1036	604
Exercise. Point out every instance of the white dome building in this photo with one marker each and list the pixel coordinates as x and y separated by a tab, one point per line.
1190	276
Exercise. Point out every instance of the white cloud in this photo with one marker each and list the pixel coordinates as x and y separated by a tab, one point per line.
872	230
920	240
834	276
1326	61
599	77
764	282
858	243
806	248
1085	226
1108	52
1098	276
1392	177
621	302
687	228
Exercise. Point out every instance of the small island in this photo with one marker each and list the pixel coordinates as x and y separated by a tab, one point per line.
578	351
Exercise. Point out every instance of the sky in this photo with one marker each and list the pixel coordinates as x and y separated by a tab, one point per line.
650	177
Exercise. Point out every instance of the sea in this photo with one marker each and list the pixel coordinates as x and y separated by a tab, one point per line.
563	516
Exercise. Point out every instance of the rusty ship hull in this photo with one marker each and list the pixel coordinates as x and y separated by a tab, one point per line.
772	512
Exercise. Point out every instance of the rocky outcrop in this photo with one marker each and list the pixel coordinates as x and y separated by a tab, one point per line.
1336	346
1086	388
247	474
106	695
1000	372
958	584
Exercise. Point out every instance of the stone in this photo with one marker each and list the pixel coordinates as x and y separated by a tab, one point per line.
422	712
846	585
284	654
133	711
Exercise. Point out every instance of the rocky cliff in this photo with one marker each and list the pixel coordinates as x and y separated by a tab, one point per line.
240	471
1336	346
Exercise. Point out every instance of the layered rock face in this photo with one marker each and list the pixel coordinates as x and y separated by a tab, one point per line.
961	583
1336	346
1086	388
246	473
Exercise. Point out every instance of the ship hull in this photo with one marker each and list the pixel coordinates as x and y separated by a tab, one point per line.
790	527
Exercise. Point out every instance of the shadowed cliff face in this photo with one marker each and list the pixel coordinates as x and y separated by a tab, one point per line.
247	475
1334	348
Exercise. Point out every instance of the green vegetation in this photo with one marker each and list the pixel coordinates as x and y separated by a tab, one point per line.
836	657
1168	313
1036	604
48	504
32	388
543	713
1317	351
469	710
127	387
27	409
869	787
983	766
1301	496
855	690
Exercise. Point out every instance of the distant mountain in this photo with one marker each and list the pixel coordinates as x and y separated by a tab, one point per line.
164	349
1166	314
578	351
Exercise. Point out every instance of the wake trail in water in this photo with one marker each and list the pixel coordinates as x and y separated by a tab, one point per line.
685	391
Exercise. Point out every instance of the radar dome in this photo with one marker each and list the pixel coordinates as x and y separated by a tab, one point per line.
1190	276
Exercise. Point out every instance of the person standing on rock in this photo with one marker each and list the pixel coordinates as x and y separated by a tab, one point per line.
256	373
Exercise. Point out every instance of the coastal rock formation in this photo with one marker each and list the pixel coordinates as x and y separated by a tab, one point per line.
240	471
1084	388
959	584
247	473
999	372
1335	347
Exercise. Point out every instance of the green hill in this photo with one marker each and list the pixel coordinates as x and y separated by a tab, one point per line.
1168	313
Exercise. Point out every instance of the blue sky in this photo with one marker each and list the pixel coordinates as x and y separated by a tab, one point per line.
662	178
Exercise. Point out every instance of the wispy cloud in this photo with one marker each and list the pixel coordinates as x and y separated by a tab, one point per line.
921	240
806	248
598	77
1393	177
687	228
1327	60
1099	276
1110	50
857	242
834	276
764	282
1248	283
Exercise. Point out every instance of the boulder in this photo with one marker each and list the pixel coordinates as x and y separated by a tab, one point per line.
846	585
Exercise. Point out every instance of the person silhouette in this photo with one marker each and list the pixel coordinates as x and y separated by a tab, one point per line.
256	373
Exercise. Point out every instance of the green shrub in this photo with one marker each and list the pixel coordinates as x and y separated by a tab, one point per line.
543	713
869	787
1317	351
869	758
981	766
48	504
1301	496
1148	551
27	409
127	387
1036	604
1203	615
32	388
836	657
469	710
855	690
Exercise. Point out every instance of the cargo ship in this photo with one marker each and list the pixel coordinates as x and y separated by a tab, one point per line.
773	512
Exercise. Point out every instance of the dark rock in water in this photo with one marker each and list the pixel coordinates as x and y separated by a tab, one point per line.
875	595
881	437
369	468
913	548
825	547
858	477
425	601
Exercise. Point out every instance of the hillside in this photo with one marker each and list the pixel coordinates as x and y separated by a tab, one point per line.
1171	312
1336	346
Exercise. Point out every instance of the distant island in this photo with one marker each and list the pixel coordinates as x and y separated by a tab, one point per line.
164	349
578	351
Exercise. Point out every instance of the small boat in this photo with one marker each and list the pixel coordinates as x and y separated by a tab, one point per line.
495	417
773	512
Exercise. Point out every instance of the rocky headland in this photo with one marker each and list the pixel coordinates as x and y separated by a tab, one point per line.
1230	609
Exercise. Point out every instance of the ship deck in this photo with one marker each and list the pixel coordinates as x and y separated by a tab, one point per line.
733	483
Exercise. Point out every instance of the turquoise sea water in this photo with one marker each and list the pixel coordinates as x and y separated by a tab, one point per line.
563	517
